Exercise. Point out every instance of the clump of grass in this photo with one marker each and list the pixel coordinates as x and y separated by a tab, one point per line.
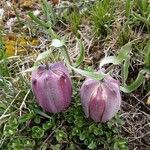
73	18
125	30
102	15
124	35
141	13
75	21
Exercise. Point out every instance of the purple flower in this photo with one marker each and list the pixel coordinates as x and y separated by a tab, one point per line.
101	100
52	87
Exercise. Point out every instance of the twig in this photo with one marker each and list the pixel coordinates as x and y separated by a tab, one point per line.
139	137
140	101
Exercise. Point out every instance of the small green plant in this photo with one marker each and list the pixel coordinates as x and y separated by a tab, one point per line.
50	21
124	35
19	143
74	19
102	17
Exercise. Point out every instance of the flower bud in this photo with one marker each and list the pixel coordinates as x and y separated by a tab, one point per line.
52	87
101	100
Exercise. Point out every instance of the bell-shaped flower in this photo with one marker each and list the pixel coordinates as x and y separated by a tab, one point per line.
101	100
52	87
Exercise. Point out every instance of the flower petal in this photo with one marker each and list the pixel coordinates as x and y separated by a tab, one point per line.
113	100
86	93
97	105
52	87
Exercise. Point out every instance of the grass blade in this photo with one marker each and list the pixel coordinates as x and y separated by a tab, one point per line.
128	8
147	55
142	19
47	9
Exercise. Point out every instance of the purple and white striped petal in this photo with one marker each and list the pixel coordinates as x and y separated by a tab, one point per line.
86	92
52	87
101	100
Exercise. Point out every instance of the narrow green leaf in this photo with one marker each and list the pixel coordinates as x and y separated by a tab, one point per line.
42	113
30	69
124	52
147	54
108	60
43	55
125	70
142	4
37	20
93	75
82	54
66	55
135	84
48	11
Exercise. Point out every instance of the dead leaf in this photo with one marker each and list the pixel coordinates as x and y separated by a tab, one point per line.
56	2
19	45
27	3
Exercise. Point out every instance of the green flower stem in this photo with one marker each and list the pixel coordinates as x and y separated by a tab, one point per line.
67	58
66	55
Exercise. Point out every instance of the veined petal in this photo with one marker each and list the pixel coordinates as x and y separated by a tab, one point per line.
101	100
97	105
40	92
52	87
86	93
60	94
113	100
